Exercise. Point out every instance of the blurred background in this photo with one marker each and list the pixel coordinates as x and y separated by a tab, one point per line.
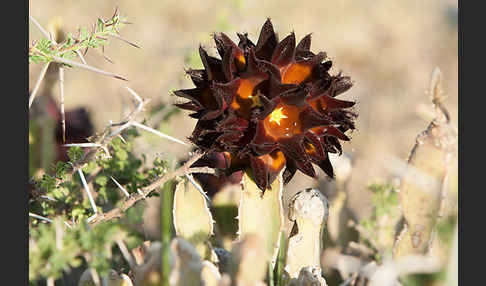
389	49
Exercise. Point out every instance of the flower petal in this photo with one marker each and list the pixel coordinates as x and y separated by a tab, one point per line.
267	41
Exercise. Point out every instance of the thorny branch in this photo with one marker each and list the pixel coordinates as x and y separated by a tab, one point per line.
38	83
75	47
103	142
106	137
144	192
84	65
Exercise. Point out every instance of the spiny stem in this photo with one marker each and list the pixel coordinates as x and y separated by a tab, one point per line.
126	254
87	67
46	219
121	187
63	114
86	188
105	139
145	191
125	40
37	84
40	217
136	124
44	32
81	57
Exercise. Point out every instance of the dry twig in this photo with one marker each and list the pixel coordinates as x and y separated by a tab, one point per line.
63	114
38	83
144	192
87	67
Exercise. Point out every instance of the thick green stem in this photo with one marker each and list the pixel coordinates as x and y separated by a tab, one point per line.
281	260
166	224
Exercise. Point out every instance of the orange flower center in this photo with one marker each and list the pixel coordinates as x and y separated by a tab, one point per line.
244	100
295	73
277	115
283	122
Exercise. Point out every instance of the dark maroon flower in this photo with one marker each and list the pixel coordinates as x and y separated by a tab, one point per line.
268	106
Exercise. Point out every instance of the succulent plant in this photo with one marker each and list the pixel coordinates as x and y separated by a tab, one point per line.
187	264
268	106
248	261
261	214
192	218
309	210
422	186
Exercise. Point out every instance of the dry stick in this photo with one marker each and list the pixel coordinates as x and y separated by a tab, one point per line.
63	115
121	138
81	145
90	197
61	77
81	56
106	138
46	219
144	192
96	277
139	106
124	40
94	274
73	63
136	124
126	254
88	145
121	187
59	236
90	68
134	94
44	32
43	71
37	84
105	57
89	180
40	217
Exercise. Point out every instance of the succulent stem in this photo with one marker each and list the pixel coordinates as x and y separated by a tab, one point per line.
262	213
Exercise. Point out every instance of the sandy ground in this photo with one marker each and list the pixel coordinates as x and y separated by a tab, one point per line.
389	49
